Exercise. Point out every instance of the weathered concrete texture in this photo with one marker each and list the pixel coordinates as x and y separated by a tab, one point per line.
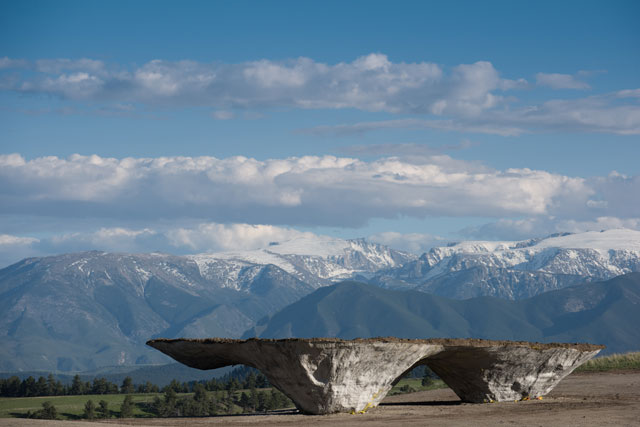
325	375
500	373
320	376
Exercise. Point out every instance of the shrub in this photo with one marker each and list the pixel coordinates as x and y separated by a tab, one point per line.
126	409
89	410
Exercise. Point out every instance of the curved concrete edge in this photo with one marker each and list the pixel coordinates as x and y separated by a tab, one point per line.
319	377
326	375
505	373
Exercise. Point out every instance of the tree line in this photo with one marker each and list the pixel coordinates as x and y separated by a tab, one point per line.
225	398
240	378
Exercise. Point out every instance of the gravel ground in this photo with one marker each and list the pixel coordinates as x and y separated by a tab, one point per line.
597	399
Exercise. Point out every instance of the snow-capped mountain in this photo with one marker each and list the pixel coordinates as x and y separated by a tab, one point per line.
86	310
318	261
518	269
90	309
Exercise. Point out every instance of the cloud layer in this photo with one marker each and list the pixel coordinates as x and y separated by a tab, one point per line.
466	97
199	238
310	190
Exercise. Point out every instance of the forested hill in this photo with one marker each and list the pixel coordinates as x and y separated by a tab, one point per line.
602	313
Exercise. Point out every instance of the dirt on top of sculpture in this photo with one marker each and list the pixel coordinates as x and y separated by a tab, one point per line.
449	342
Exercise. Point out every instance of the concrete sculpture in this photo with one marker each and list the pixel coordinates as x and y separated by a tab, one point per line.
326	375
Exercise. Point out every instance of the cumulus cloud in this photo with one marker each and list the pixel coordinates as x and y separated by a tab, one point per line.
411	242
15	248
560	81
617	113
371	83
525	228
115	239
463	98
310	190
210	237
197	238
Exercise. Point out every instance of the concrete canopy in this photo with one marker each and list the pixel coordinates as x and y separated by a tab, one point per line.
326	375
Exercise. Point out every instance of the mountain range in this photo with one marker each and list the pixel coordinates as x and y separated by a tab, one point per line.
600	312
87	310
519	269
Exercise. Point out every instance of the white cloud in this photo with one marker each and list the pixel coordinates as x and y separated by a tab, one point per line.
520	229
198	238
211	237
602	114
411	242
308	190
463	98
9	240
223	115
371	83
560	81
14	248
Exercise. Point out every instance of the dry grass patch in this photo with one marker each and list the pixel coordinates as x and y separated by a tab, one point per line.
614	362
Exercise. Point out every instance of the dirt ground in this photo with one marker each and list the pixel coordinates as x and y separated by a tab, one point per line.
597	399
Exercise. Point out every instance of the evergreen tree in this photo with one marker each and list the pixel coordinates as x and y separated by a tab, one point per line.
262	402
103	409
244	402
200	393
127	386
41	387
126	409
427	381
261	381
28	387
51	386
48	411
253	400
250	382
12	387
99	386
60	390
77	386
89	410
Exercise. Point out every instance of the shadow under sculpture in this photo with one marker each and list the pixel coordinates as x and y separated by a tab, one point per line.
327	375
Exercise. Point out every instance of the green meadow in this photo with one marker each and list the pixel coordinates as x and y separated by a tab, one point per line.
71	407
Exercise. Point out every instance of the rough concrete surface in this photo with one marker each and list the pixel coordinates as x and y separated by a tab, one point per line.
327	375
582	399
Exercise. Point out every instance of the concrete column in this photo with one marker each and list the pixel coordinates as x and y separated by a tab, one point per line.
505	372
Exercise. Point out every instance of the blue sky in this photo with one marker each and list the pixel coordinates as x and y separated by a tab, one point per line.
138	126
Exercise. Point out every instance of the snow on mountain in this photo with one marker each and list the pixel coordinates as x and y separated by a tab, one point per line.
317	261
519	269
89	309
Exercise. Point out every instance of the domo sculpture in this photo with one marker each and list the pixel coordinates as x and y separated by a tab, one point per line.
326	375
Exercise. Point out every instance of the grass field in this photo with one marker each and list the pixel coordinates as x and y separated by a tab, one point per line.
612	363
409	385
70	407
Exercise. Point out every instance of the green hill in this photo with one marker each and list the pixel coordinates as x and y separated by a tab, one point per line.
604	313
